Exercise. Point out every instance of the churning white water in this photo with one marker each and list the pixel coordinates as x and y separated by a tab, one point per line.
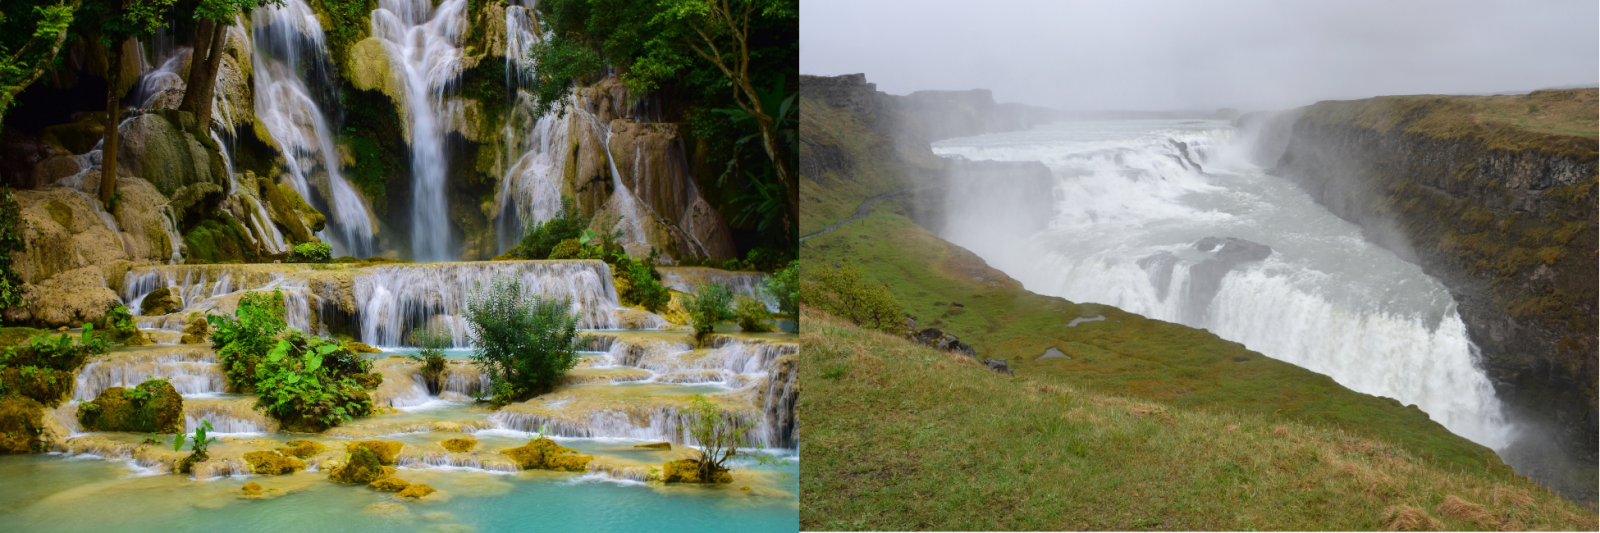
1325	299
423	41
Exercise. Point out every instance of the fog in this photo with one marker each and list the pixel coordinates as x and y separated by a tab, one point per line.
1247	55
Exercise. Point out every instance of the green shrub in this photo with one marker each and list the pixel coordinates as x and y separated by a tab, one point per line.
708	306
767	259
752	315
153	406
567	249
243	339
311	252
539	240
784	285
120	327
608	241
62	353
638	282
843	292
433	340
524	341
309	385
10	241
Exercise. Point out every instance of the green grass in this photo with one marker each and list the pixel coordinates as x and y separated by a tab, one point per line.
878	164
1566	122
1126	354
901	437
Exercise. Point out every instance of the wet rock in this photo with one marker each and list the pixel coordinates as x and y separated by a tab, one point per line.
284	206
251	489
76	137
157	148
459	445
20	425
389	484
1159	268
1205	279
545	454
656	446
385	451
361	347
302	448
942	341
688	471
160	302
999	366
153	407
416	490
272	463
194	202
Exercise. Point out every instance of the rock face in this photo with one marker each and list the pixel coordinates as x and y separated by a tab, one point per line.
1503	215
545	454
1205	279
160	302
155	147
71	299
152	407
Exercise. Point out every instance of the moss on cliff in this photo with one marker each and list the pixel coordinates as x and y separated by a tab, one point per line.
1565	122
214	241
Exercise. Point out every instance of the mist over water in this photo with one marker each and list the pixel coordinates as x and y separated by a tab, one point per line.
1326	299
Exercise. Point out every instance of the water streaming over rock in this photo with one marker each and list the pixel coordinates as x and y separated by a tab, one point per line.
191	370
289	50
1134	197
423	40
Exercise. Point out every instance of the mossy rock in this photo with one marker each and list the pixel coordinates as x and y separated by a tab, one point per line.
77	137
121	409
186	464
252	489
688	471
545	454
656	446
156	147
302	448
360	347
20	425
368	381
416	490
384	450
216	241
362	469
160	302
197	330
272	463
283	210
48	386
195	202
389	484
459	445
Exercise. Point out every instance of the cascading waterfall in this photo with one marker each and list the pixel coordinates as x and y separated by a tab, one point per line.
289	46
423	40
394	300
1132	202
192	371
531	190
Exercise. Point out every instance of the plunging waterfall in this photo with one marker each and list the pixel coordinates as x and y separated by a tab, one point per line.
289	48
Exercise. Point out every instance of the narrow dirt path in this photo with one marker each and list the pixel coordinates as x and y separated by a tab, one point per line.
861	212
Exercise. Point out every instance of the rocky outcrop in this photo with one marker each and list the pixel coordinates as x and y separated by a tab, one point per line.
1205	278
938	340
545	454
70	299
1502	213
160	302
272	463
688	471
153	407
157	147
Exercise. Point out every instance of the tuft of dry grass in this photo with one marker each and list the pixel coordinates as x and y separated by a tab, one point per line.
1408	518
1455	508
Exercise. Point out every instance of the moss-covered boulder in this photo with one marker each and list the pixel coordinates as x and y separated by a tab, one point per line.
688	471
459	445
196	201
46	385
361	347
272	463
384	450
545	454
656	446
152	407
76	137
416	490
251	489
389	484
160	302
197	330
21	425
362	469
219	240
69	299
302	448
283	209
156	147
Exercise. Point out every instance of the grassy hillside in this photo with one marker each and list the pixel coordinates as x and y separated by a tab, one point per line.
1562	122
1125	354
901	437
844	162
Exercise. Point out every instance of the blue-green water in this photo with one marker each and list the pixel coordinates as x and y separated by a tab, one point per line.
49	493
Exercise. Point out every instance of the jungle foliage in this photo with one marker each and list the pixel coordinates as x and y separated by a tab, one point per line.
525	341
707	307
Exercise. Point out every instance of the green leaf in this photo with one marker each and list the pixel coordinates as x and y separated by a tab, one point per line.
278	351
177	442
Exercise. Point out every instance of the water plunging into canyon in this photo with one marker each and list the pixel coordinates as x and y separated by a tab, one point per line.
1132	200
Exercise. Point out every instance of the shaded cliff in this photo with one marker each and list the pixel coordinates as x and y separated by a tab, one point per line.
1495	197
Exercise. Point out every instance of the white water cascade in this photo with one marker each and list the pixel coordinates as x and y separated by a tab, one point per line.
538	143
289	46
1325	299
423	40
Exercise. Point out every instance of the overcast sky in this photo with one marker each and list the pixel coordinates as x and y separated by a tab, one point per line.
1202	54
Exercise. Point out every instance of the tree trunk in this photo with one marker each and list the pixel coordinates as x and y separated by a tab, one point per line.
108	148
210	39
